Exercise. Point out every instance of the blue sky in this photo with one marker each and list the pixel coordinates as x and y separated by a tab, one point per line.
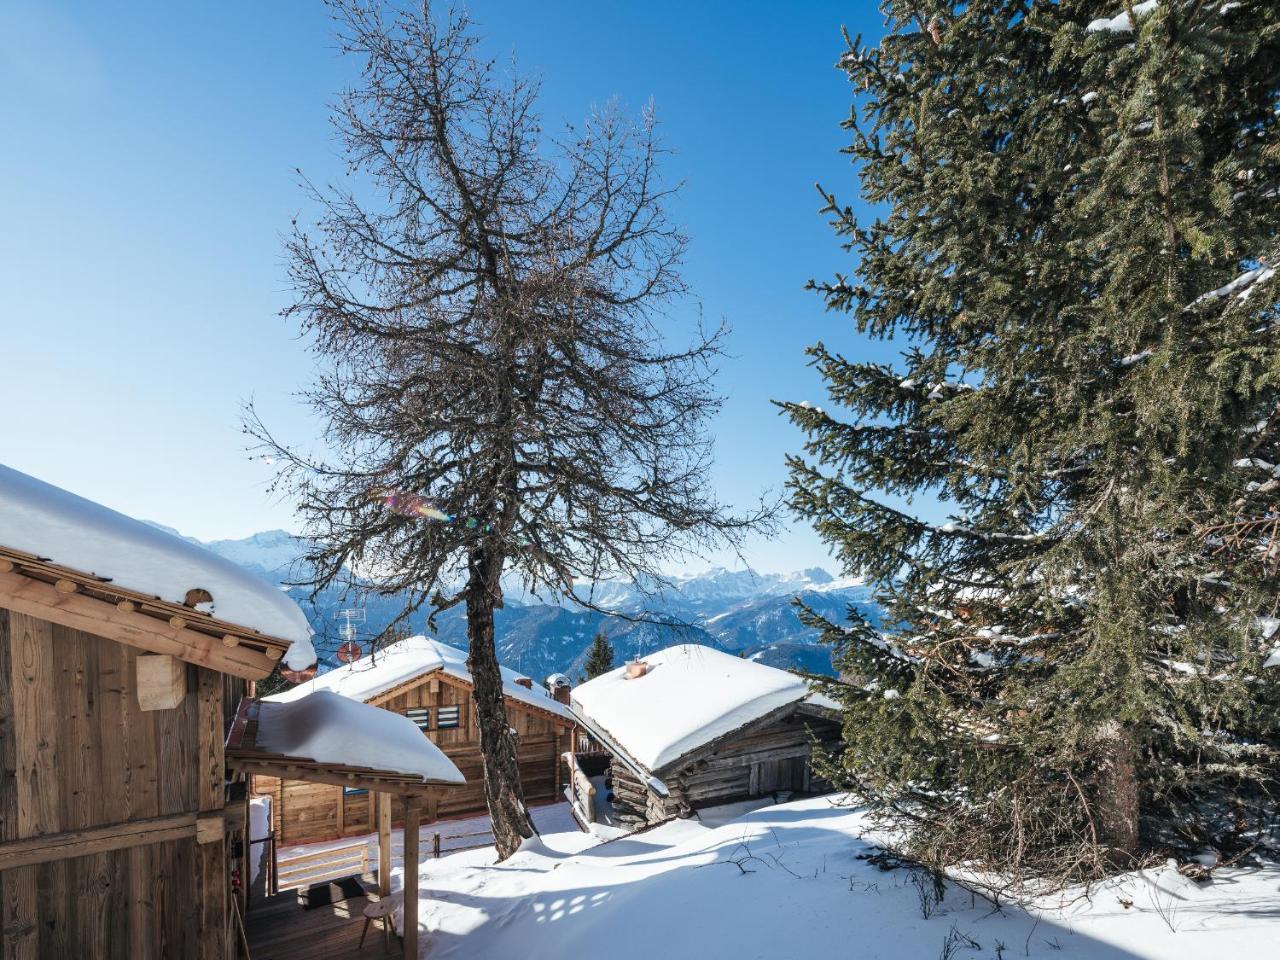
148	159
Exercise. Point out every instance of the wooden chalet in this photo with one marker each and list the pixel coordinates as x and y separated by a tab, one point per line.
691	727
121	834
427	682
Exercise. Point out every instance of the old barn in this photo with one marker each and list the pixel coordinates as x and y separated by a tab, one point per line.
690	727
428	682
124	652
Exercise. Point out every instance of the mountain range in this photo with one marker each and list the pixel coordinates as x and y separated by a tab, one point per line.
739	611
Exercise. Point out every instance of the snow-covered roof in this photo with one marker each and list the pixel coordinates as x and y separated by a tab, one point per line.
330	728
689	696
47	521
404	660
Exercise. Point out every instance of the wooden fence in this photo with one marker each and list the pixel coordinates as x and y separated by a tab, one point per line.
331	864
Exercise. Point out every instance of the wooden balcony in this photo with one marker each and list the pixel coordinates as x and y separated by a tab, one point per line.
280	929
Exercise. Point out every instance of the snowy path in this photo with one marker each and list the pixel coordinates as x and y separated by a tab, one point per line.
787	881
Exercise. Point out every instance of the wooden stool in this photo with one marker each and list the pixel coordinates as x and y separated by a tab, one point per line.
381	910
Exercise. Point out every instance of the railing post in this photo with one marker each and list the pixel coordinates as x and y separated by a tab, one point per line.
435	845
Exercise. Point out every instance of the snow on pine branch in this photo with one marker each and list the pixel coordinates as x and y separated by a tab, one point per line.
953	527
1121	23
1241	287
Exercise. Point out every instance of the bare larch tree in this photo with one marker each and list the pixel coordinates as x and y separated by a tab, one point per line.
484	305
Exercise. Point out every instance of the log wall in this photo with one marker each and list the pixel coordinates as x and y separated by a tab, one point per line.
765	760
311	812
105	799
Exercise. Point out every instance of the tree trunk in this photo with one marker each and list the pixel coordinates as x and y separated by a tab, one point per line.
1116	794
502	789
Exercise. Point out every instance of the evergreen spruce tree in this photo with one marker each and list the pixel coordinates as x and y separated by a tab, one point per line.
599	657
1075	239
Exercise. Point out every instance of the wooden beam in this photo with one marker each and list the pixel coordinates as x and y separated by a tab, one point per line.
384	841
412	813
131	627
162	681
336	777
210	828
82	843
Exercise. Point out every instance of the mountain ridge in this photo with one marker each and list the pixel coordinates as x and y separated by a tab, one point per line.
740	611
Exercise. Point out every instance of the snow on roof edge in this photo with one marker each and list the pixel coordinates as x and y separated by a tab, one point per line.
405	660
46	521
690	696
329	728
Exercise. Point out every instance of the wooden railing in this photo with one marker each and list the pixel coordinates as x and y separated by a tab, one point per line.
330	864
436	838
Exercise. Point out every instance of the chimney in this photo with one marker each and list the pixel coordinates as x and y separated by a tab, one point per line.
636	668
558	685
525	682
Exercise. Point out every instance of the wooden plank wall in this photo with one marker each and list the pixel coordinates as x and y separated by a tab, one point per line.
770	752
771	758
77	752
311	812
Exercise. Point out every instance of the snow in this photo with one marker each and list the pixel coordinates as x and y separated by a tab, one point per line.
259	827
690	695
792	881
330	728
44	520
1133	358
1120	22
1242	286
403	661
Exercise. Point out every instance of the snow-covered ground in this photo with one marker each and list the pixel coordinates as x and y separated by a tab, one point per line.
787	881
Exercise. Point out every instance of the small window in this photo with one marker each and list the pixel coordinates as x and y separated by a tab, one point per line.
421	716
447	717
354	791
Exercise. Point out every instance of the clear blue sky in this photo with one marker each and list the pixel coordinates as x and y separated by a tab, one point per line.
147	162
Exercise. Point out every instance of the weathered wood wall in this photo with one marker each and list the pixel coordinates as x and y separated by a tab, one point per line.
774	758
761	761
78	754
310	812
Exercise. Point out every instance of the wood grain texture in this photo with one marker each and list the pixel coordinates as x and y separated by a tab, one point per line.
8	749
36	725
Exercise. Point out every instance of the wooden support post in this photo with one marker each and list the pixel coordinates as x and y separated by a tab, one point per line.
383	801
435	845
213	911
412	818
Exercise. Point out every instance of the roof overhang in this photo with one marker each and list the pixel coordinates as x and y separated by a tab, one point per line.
244	754
602	736
82	601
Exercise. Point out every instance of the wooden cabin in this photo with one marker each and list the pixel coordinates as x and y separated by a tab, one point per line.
428	682
123	654
691	727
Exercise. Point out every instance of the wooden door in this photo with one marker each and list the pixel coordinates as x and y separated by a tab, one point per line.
770	776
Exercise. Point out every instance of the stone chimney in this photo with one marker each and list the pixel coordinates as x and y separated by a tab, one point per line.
526	682
636	668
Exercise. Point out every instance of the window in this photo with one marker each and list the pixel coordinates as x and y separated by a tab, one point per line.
421	716
446	717
354	791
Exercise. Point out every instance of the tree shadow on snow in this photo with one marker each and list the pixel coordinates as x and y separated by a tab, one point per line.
775	891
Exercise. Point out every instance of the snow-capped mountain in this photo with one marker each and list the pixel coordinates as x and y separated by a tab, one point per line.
740	611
